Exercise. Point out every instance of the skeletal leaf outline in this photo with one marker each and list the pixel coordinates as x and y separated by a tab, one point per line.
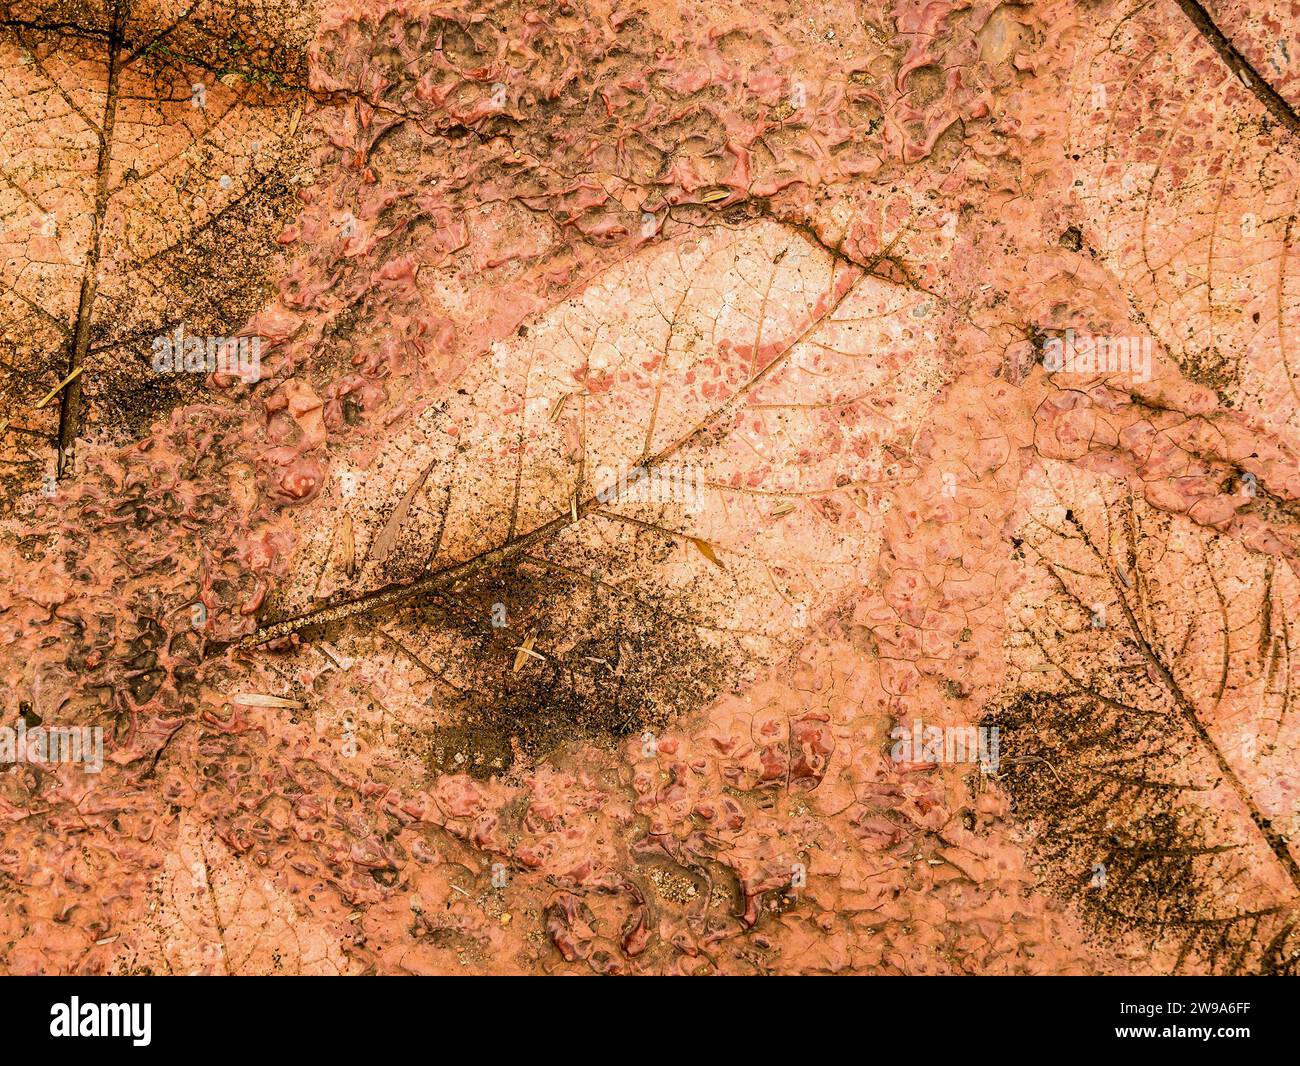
1186	182
110	168
1162	744
788	378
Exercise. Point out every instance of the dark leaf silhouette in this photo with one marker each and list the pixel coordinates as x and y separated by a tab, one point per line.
693	458
1152	732
148	156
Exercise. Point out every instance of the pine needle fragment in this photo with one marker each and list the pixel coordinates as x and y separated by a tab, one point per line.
76	373
258	699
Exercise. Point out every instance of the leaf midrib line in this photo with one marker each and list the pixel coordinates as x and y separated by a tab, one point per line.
70	399
400	592
1274	101
1271	836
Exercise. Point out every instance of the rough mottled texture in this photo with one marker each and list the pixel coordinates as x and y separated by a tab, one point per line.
498	255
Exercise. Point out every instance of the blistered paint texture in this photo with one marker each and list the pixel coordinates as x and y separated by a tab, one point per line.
663	411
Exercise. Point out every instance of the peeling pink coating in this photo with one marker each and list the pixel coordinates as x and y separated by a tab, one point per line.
818	258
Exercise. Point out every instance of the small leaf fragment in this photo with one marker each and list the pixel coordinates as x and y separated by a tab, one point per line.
706	549
524	652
